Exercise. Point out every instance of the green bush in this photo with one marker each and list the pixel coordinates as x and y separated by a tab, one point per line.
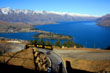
41	41
58	43
70	43
33	42
65	43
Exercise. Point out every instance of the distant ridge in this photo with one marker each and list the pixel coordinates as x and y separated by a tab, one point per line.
6	27
104	20
40	17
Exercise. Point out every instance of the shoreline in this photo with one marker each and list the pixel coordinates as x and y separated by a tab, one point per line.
41	32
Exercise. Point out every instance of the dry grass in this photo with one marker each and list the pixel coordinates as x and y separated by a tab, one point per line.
88	65
84	64
23	58
88	49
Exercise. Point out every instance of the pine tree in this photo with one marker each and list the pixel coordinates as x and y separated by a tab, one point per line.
70	43
65	43
41	42
58	43
31	42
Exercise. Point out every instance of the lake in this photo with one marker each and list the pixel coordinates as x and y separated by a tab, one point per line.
86	33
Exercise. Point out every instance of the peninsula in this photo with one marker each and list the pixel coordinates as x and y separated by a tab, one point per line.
6	27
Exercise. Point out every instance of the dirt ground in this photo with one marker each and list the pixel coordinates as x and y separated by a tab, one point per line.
92	60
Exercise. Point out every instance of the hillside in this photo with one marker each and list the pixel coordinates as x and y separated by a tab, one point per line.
21	61
77	60
104	20
39	17
87	59
12	27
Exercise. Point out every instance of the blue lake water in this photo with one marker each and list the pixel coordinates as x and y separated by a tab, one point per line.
86	33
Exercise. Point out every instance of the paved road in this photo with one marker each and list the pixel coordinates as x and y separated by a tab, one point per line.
55	60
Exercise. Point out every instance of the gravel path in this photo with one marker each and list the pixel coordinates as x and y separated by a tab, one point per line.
84	54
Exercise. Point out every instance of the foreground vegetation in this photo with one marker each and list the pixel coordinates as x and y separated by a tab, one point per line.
58	43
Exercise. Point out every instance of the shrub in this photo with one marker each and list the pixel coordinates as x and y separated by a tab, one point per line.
41	42
58	43
70	43
65	43
33	42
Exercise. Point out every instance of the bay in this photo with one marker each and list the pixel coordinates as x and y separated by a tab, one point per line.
86	33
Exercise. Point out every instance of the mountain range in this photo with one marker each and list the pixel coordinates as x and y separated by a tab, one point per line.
40	17
104	20
6	27
34	17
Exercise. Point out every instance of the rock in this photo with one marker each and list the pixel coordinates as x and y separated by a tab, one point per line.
42	62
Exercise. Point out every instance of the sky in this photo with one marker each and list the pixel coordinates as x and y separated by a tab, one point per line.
91	7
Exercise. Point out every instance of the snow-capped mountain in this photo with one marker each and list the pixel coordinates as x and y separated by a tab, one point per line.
5	10
37	17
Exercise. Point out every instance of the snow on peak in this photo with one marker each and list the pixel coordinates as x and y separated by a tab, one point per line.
8	10
25	11
21	11
70	14
65	13
37	12
5	10
17	11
